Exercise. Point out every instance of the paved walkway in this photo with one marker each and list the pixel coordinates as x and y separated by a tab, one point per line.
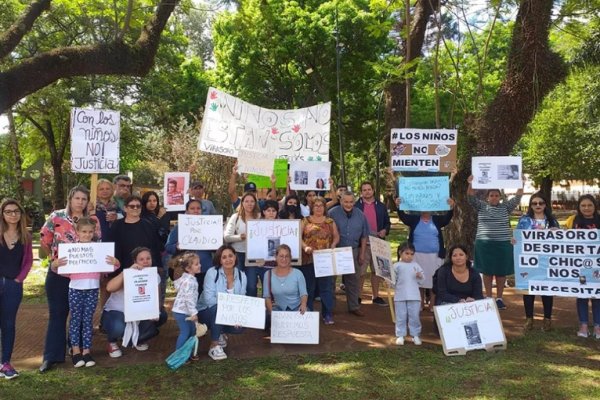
350	333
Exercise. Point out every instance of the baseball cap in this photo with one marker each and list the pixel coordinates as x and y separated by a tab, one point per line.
250	187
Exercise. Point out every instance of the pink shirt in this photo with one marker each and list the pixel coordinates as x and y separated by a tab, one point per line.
371	215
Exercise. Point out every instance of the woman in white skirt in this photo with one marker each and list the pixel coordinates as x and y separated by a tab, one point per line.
426	235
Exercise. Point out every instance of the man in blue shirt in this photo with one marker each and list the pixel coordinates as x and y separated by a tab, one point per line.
354	232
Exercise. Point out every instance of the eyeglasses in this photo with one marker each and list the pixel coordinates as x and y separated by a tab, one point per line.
538	203
134	206
12	212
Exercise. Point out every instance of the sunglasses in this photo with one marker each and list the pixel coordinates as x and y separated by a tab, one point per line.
538	203
134	206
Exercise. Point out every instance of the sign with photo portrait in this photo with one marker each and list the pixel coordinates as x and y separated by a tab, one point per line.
497	172
309	175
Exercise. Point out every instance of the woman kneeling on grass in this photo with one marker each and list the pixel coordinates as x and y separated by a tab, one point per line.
224	277
113	316
16	257
285	287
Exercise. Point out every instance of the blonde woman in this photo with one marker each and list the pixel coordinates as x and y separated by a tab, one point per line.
235	230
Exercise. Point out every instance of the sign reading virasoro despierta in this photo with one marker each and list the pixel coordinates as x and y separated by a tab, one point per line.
558	262
432	150
230	124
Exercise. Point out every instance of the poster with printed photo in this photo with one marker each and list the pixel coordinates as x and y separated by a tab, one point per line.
497	172
175	190
309	175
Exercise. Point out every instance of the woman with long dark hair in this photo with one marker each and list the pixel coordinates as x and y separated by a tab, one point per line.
586	218
16	257
539	216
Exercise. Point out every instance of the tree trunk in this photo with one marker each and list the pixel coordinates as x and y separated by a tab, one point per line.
533	71
18	162
546	189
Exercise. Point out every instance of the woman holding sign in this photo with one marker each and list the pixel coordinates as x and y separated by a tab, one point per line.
60	228
285	287
493	242
16	257
235	230
192	207
586	218
539	216
425	233
223	278
319	232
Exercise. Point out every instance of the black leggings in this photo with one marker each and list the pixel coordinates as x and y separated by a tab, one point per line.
547	301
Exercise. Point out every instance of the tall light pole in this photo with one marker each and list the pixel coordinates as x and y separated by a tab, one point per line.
338	48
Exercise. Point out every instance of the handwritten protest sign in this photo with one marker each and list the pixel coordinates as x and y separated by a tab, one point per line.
280	169
423	149
246	311
309	175
255	162
199	232
496	172
468	326
558	263
329	262
85	257
426	193
230	124
95	137
293	327
381	253
175	190
141	294
264	236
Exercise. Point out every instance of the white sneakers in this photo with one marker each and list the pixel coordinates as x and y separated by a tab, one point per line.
217	353
114	351
416	340
223	340
142	347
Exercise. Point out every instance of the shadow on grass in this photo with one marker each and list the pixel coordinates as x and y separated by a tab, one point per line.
539	366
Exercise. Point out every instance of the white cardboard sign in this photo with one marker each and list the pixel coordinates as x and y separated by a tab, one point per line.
85	257
381	253
246	311
141	294
175	190
95	137
293	327
469	326
264	236
329	262
199	232
309	175
255	162
497	172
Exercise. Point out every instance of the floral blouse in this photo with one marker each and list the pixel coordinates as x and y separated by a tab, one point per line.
60	228
319	236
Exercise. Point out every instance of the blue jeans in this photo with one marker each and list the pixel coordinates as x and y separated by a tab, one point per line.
241	261
583	310
325	286
308	271
113	323
208	316
408	311
252	276
187	329
11	294
57	292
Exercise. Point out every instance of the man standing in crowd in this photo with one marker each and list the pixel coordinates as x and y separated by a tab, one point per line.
354	232
196	191
122	185
379	225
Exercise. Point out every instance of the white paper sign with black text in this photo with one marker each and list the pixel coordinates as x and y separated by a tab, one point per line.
95	137
293	327
238	310
141	294
85	257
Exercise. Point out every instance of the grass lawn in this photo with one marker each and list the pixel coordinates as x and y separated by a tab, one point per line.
554	365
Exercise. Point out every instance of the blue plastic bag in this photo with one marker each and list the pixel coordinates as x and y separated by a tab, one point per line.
183	354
